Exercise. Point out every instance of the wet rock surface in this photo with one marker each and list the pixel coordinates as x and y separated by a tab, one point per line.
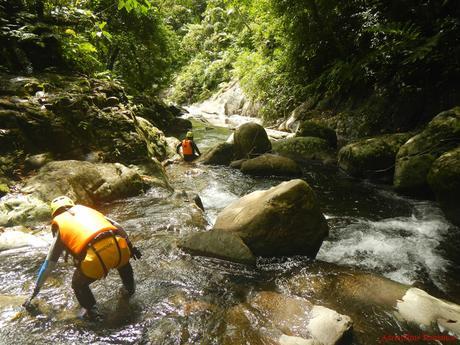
303	149
314	129
372	158
281	221
251	140
444	181
70	117
270	165
85	182
416	156
221	154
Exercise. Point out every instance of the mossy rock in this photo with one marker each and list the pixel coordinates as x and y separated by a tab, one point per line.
271	165
415	157
372	158
75	116
444	180
251	140
221	154
303	149
314	129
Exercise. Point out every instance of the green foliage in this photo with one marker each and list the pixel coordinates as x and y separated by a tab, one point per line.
210	49
79	52
395	61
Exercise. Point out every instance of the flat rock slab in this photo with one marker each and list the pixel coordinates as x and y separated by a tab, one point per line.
218	244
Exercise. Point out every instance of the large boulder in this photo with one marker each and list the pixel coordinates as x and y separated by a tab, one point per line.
372	158
314	129
416	156
251	140
221	154
86	182
281	221
271	165
444	180
218	244
303	149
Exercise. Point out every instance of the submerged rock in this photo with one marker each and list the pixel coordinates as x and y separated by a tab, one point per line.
416	156
422	309
281	221
275	318
251	140
218	244
303	149
444	180
355	292
372	158
271	165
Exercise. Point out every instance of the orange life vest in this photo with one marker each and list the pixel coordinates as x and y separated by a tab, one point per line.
187	148
79	225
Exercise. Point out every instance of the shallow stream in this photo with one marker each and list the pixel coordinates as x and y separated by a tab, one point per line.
182	299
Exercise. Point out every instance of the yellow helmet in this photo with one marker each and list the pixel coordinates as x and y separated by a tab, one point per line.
189	135
60	201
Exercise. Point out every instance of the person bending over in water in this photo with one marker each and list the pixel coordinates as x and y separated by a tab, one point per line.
96	243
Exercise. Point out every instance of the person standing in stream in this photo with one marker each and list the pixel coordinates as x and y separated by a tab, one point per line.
189	149
96	243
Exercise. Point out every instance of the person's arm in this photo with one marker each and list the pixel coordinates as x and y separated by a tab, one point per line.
196	148
48	265
135	252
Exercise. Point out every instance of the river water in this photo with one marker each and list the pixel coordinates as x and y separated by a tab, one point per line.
182	299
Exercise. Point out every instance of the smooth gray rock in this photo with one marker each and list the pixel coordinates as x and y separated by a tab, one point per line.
282	221
218	244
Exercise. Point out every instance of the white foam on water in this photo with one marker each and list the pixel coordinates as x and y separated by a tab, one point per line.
401	248
215	197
